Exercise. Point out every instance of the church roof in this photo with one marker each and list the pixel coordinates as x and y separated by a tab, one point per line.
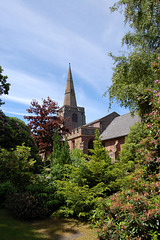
119	127
115	114
70	97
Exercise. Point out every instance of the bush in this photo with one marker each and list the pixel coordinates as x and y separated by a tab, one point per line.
16	166
79	201
13	133
6	189
132	143
133	213
47	192
26	206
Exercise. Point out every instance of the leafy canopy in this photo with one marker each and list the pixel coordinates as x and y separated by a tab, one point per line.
4	86
133	72
143	18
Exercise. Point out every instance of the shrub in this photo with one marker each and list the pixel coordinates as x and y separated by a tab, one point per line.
132	143
13	133
79	201
6	189
26	206
133	213
46	190
16	166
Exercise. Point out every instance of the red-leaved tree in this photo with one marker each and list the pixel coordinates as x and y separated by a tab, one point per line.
43	123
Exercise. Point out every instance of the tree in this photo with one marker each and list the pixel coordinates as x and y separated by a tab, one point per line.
143	17
133	72
132	143
4	86
43	124
134	212
13	133
98	153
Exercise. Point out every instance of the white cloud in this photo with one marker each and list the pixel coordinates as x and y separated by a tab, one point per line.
52	42
39	39
25	87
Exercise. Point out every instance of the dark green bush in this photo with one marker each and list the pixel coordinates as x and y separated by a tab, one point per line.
6	189
26	206
13	133
47	192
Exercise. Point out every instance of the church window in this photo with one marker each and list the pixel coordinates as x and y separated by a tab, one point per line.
74	117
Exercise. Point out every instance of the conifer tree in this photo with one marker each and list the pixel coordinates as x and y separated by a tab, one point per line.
98	153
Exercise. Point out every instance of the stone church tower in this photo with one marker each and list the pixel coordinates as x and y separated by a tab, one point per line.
74	115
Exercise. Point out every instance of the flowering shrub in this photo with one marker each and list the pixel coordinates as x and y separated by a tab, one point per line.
150	151
134	213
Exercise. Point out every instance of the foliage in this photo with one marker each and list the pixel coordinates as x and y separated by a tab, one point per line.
13	133
43	123
44	187
150	146
86	180
60	153
4	86
6	188
98	153
77	157
59	156
133	72
143	18
131	76
26	206
134	213
79	200
132	143
16	166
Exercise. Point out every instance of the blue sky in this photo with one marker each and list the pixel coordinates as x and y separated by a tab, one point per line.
38	40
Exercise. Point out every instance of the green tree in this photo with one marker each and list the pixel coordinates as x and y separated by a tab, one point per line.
132	143
133	72
59	156
15	166
13	133
134	212
98	153
143	18
4	86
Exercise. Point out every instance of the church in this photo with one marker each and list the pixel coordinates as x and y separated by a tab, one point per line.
113	127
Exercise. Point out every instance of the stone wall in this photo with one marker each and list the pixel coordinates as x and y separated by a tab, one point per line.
114	146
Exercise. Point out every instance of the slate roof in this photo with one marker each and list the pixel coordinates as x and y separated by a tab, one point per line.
100	119
119	127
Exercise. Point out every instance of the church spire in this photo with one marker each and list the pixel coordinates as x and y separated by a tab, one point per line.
70	97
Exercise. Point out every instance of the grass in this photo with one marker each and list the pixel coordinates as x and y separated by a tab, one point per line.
49	229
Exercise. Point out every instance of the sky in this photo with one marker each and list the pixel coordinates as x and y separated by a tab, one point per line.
38	40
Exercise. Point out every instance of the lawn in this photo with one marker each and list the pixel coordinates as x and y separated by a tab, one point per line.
55	229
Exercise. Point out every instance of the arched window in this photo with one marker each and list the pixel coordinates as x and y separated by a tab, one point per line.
74	117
